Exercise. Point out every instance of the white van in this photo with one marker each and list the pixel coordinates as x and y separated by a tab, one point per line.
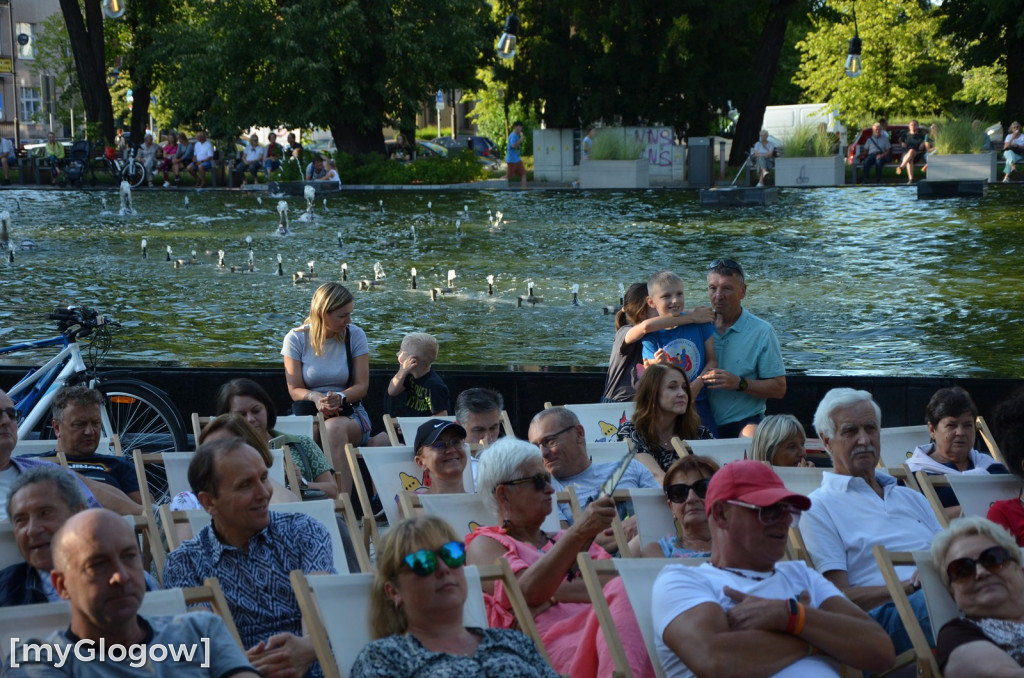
781	121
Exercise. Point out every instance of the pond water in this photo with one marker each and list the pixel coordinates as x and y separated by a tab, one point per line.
855	280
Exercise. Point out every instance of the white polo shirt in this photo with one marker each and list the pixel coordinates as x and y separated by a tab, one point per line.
847	519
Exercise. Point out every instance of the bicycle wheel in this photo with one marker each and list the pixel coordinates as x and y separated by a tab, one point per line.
134	173
144	418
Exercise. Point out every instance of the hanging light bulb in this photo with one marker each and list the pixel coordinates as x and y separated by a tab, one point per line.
114	9
507	41
853	64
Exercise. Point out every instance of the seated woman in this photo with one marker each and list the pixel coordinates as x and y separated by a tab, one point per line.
981	565
686	484
441	454
951	414
780	441
419	589
248	399
516	486
327	363
1008	426
664	410
1013	150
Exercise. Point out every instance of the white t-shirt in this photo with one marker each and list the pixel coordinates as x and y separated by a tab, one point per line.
253	153
681	587
203	151
588	482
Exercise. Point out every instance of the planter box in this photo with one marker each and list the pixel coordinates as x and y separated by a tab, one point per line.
614	174
807	172
976	166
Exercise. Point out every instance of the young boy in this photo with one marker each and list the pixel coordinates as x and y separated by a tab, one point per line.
680	337
416	390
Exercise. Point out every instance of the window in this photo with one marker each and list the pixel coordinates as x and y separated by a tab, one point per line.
31	103
26	51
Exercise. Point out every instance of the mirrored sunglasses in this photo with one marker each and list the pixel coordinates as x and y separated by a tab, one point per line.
424	561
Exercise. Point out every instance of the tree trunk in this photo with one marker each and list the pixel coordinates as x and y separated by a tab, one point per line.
1014	82
355	141
766	59
86	37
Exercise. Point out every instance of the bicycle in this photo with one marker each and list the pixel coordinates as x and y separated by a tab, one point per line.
130	169
141	415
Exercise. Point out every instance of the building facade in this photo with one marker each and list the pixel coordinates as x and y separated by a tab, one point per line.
27	97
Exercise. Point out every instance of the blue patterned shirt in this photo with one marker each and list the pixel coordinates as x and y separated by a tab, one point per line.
255	581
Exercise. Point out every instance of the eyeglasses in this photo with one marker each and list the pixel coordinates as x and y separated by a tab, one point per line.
679	492
992	559
424	561
769	515
11	412
441	445
726	264
540	481
552	440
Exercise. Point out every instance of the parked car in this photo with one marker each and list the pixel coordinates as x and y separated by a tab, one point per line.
424	149
480	145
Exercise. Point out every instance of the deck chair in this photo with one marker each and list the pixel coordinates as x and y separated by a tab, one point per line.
898	443
176	467
941	607
601	421
105	446
9	553
397	426
466	511
976	493
335	607
990	440
723	450
800	479
654	519
602	453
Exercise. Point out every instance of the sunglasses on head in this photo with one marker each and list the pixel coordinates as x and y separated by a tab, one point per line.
678	493
727	264
424	561
540	481
992	559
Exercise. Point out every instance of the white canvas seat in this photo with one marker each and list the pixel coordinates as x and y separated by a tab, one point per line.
898	443
601	421
723	450
402	430
464	511
654	518
176	468
801	479
105	446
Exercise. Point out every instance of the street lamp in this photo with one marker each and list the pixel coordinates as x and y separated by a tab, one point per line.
114	9
853	65
507	41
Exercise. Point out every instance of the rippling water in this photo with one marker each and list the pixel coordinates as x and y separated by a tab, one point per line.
855	280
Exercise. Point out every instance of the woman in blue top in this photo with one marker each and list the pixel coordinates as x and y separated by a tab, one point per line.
686	484
327	363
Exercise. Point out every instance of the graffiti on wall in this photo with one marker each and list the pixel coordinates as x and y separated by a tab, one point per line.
658	142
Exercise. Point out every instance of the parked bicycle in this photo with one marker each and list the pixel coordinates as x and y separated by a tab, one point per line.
141	415
129	169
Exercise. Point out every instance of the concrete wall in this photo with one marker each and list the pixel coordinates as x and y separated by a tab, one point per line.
555	159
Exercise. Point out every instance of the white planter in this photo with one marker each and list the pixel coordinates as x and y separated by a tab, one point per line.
807	172
614	174
971	166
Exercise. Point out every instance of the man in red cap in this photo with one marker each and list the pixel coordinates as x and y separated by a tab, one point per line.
744	613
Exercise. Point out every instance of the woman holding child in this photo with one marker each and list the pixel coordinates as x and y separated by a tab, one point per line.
664	410
627	352
327	363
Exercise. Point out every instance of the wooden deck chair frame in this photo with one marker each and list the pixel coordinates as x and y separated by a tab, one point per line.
920	654
370	531
990	440
927	483
211	593
313	621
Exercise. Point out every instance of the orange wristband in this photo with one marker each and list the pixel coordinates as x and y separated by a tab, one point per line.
801	613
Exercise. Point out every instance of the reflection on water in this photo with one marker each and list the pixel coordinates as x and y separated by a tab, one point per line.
856	280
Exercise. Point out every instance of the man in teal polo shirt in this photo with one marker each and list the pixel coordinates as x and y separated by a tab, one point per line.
750	368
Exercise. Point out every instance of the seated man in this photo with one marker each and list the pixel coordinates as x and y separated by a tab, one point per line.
859	506
8	157
147	155
252	550
478	410
11	467
748	612
97	567
878	148
315	171
272	155
77	422
913	140
252	159
183	157
763	153
202	158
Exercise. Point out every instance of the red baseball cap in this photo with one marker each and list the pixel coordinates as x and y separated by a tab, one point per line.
753	482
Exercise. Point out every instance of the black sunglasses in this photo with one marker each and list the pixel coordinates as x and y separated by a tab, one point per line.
726	264
679	492
992	559
540	481
13	413
424	561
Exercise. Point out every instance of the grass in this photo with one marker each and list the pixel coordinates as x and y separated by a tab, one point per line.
960	135
611	144
809	141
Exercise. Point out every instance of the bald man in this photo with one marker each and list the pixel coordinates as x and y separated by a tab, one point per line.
98	568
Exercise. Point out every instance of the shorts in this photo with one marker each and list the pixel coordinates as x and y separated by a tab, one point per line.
206	164
516	169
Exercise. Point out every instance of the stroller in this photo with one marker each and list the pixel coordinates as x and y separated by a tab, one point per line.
77	163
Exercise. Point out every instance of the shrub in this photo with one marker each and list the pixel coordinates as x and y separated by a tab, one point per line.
374	168
809	141
611	144
960	135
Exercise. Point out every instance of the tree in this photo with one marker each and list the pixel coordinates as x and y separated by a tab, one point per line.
53	57
906	59
85	33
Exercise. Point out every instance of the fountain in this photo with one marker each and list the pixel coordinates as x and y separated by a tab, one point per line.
413	271
280	265
145	250
126	199
303	276
575	295
282	213
5	230
309	193
490	285
168	253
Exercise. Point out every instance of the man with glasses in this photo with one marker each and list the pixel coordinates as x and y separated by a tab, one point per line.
859	506
750	368
748	611
11	467
559	435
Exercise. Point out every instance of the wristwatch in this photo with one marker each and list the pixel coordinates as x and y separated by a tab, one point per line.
742	386
344	398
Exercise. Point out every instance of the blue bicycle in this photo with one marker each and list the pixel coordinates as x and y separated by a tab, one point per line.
141	415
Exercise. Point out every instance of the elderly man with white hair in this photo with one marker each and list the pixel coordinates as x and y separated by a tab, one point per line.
859	506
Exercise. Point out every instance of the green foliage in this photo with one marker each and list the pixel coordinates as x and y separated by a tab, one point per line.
960	135
906	59
983	86
375	169
611	144
53	56
489	114
809	141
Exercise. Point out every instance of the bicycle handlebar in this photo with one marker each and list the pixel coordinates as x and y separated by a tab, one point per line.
78	322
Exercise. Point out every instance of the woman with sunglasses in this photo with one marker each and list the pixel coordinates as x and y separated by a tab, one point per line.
686	484
780	441
441	454
664	410
419	590
516	486
980	563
